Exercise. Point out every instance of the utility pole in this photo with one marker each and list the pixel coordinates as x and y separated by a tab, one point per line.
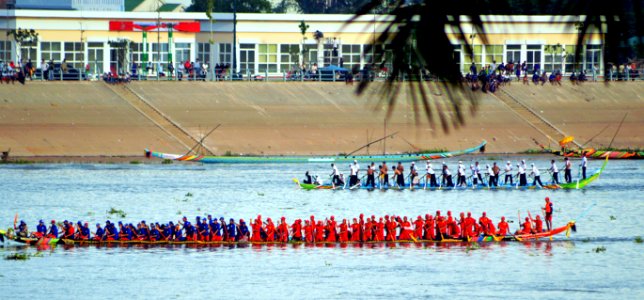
234	38
158	38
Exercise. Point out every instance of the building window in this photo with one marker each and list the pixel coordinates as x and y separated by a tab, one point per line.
533	54
267	58
493	54
203	52
182	53
289	57
28	51
351	55
593	56
554	58
75	55
457	56
136	53
310	55
225	54
572	64
247	58
5	50
382	58
95	57
50	51
513	54
160	56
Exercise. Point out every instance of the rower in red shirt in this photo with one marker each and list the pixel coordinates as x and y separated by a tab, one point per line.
344	232
368	231
355	231
503	227
362	238
282	231
538	225
418	227
297	230
391	230
330	228
527	227
308	231
319	232
380	231
270	230
257	229
483	222
470	226
430	233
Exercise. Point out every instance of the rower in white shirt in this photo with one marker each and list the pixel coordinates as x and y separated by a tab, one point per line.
431	175
523	180
461	175
508	173
537	176
584	163
555	172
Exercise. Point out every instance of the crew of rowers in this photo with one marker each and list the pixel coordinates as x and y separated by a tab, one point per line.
361	229
478	175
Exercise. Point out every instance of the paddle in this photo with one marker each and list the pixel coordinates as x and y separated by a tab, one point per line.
15	221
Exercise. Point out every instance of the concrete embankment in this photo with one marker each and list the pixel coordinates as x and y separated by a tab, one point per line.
90	119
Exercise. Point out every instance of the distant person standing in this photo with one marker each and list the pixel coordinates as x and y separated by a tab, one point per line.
555	172
548	209
567	170
584	163
595	69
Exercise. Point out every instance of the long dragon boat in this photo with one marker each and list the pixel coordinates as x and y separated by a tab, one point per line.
477	239
602	154
576	185
313	159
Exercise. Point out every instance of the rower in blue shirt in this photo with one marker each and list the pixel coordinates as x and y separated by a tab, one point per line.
243	234
204	232
41	230
53	230
216	231
84	232
98	235
154	233
232	230
111	234
144	232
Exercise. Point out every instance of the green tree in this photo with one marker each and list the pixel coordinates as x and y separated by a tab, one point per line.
619	21
243	6
23	36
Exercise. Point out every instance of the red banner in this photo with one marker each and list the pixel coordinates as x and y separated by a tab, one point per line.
151	26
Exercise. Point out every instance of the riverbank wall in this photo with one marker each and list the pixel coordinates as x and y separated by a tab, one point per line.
75	119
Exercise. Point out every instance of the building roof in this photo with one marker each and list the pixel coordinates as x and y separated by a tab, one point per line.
169	7
130	5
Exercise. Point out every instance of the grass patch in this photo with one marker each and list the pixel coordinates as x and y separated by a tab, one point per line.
166	162
135	162
534	151
586	240
118	212
639	240
18	162
189	194
17	256
620	149
600	249
613	218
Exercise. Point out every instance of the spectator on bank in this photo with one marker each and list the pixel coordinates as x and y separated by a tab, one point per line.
595	69
29	69
524	68
181	71
63	66
197	69
171	68
43	72
52	68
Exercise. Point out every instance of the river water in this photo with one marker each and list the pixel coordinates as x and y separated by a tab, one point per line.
609	216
